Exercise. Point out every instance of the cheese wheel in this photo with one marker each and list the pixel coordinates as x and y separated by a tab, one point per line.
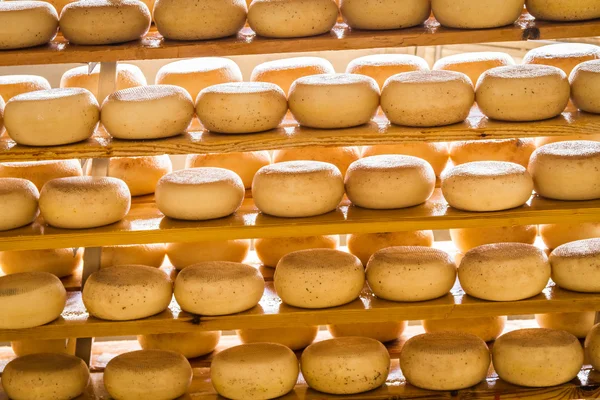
151	255
454	360
379	15
244	164
292	18
51	117
140	173
127	292
254	371
576	323
21	198
216	288
1	116
543	140
147	112
299	278
189	20
381	331
97	22
145	374
128	76
563	55
563	10
592	347
410	273
427	98
196	74
183	255
554	235
84	202
26	24
476	14
487	186
485	328
241	107
189	344
585	84
59	262
537	357
522	92
297	188
567	170
517	151
473	64
295	338
575	265
285	71
45	376
36	346
364	245
436	154
30	299
271	250
345	365
40	172
190	194
504	271
329	101
12	85
381	66
341	157
467	238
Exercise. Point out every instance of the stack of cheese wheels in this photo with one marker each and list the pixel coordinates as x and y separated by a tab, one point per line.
563	55
330	101
473	64
375	15
59	262
295	338
128	76
341	157
190	194
592	347
35	346
147	112
188	20
127	292
522	92
488	272
467	238
51	117
517	151
345	365
40	172
487	186
537	357
285	71
12	85
41	294
183	255
381	331
574	265
146	374
189	344
427	98
567	170
576	323
297	188
151	255
454	360
21	198
485	328
254	371
270	250
299	278
245	164
26	24
436	154
364	245
585	85
141	174
554	235
475	14
563	10
381	66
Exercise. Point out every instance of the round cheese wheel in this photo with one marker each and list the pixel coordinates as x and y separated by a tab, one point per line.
254	371
151	255
145	374
585	84
329	101
436	154
189	344
576	323
381	331
128	76
84	202
26	24
567	170
381	66
190	194
563	10
140	173
364	245
517	151
147	112
190	20
467	238
36	346
127	292
285	71
12	85
427	98
554	235
543	140
183	255
476	14
504	271
30	299
21	198
563	55
592	346
341	157
575	265
380	15
487	186
522	92
410	273
96	22
59	262
537	357
51	117
214	288
345	365
45	376
196	74
297	188
485	328
271	250
295	338
473	64
454	360
40	172
244	164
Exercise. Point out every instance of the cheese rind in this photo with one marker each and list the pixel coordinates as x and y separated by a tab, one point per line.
585	84
575	265
59	262
380	15
578	324
26	24
563	10
475	14
21	198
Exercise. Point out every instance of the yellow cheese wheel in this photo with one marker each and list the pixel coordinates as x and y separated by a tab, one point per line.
381	331
36	346
563	55
189	344
40	172
592	346
467	238
59	262
341	157
285	71
151	255
485	328
128	76
554	235
476	14
364	245
575	266
245	164
517	151
295	338
473	64
380	15
26	24
21	198
271	250
436	154
576	323
183	255
12	85
140	173
585	84
381	66
563	10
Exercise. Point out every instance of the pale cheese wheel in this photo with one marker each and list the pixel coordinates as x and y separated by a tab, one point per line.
427	98
12	85
26	24
218	288
454	360
244	164
345	365
141	174
285	71
151	255
467	238
254	371
485	328
40	172
537	357
504	271
21	198
147	112
473	64
36	346
381	66
51	117
128	76
517	151
270	250
592	347
565	56
543	140
380	331
127	292
364	245
575	265
341	157
189	344
564	10
30	299
578	324
476	14
183	255
59	262
436	154
585	85
554	235
381	15
295	338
